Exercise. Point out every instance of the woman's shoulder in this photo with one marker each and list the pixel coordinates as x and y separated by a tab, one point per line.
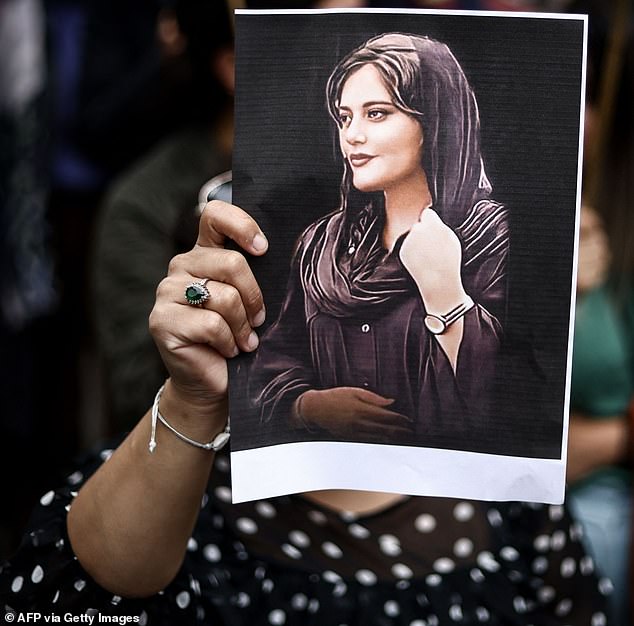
484	215
325	221
484	232
317	230
487	220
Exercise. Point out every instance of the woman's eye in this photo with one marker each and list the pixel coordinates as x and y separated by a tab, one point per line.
377	114
344	119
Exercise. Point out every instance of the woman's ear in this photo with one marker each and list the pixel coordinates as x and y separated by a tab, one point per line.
223	66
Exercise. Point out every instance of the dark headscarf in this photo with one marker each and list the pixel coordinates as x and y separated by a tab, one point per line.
426	81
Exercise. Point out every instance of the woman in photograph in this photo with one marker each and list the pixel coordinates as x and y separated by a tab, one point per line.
392	321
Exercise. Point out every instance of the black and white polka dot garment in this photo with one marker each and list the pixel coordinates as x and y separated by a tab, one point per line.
286	561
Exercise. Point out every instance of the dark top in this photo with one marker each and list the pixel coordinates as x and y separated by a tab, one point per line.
420	562
148	216
353	317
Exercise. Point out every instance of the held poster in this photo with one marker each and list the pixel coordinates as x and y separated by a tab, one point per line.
417	174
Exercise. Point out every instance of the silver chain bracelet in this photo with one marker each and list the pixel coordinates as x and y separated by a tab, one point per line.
218	442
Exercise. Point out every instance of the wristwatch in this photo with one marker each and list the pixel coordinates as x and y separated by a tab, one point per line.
438	324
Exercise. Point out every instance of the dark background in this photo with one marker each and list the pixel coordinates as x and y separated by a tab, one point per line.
526	74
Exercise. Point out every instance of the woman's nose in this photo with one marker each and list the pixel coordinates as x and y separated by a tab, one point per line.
354	133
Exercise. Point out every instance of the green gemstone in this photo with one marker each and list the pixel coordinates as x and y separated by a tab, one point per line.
196	294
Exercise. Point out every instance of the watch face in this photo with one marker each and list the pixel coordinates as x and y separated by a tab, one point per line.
435	325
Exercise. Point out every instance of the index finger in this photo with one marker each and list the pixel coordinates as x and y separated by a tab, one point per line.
220	221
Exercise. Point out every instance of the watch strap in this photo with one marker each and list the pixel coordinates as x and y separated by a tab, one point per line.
438	324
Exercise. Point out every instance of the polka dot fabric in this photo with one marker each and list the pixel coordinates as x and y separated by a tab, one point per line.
287	561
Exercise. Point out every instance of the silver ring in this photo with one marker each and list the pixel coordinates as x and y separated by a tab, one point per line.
197	293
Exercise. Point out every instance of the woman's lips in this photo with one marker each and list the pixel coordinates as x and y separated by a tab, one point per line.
358	160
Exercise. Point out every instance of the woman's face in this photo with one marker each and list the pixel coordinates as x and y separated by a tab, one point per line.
382	144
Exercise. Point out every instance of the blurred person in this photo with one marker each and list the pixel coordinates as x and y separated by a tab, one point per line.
134	85
599	467
149	213
106	61
26	282
28	290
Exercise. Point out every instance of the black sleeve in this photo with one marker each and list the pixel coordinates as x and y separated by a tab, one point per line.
484	237
282	369
485	241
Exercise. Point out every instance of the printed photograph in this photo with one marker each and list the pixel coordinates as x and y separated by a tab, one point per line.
417	176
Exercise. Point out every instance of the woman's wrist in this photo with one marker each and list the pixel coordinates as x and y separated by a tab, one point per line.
198	418
440	301
301	408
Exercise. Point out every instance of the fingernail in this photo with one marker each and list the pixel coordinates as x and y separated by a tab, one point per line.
259	242
258	320
235	351
252	341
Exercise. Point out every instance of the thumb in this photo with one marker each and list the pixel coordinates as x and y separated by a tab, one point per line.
365	395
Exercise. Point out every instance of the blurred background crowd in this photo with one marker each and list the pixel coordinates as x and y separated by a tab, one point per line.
113	115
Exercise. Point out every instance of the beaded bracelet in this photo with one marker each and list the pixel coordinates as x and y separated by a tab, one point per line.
215	444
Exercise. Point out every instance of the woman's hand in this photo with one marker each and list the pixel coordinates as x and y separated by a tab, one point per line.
351	412
431	253
594	251
595	443
195	342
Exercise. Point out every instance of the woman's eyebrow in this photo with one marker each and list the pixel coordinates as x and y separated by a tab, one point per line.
378	102
371	103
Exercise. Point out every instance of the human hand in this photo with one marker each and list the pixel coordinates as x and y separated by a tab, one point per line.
432	254
595	443
195	341
351	412
594	251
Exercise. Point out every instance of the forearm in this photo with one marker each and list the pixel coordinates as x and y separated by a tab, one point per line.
593	444
130	523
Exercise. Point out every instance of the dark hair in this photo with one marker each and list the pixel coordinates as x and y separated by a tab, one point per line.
425	81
